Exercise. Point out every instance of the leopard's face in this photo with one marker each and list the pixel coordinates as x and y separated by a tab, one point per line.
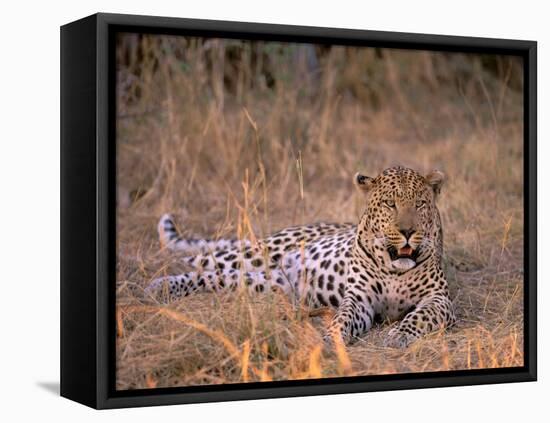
401	216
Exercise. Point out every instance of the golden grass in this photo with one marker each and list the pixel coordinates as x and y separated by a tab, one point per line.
209	140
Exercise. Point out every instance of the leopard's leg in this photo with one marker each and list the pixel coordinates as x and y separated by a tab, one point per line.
354	317
431	314
168	288
254	258
169	237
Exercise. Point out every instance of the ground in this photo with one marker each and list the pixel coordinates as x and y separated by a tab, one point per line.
245	157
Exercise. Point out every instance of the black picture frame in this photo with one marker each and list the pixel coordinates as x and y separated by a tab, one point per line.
88	195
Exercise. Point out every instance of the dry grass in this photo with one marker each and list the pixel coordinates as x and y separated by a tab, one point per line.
237	140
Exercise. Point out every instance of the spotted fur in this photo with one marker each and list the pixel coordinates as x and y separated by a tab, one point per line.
388	266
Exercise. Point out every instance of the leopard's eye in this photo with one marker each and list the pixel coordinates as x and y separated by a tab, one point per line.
390	203
420	204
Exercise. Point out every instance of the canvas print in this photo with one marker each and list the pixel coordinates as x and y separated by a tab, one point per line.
292	211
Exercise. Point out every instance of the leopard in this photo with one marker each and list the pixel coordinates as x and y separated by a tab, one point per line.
386	268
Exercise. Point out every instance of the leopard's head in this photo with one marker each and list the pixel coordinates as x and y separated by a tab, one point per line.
401	219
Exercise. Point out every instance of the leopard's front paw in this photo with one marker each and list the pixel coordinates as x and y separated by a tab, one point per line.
333	338
330	339
397	338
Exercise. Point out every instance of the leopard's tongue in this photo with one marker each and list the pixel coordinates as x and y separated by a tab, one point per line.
405	251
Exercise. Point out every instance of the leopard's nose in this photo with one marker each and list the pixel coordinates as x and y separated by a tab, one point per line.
407	233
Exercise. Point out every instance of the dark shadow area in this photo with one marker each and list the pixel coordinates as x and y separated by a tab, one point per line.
51	387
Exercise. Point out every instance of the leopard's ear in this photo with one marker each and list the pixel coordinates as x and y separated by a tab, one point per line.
364	183
435	179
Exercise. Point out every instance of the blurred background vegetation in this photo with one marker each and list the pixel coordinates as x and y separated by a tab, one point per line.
298	93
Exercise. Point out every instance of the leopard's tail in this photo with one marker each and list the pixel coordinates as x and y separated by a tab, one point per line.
170	237
168	234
